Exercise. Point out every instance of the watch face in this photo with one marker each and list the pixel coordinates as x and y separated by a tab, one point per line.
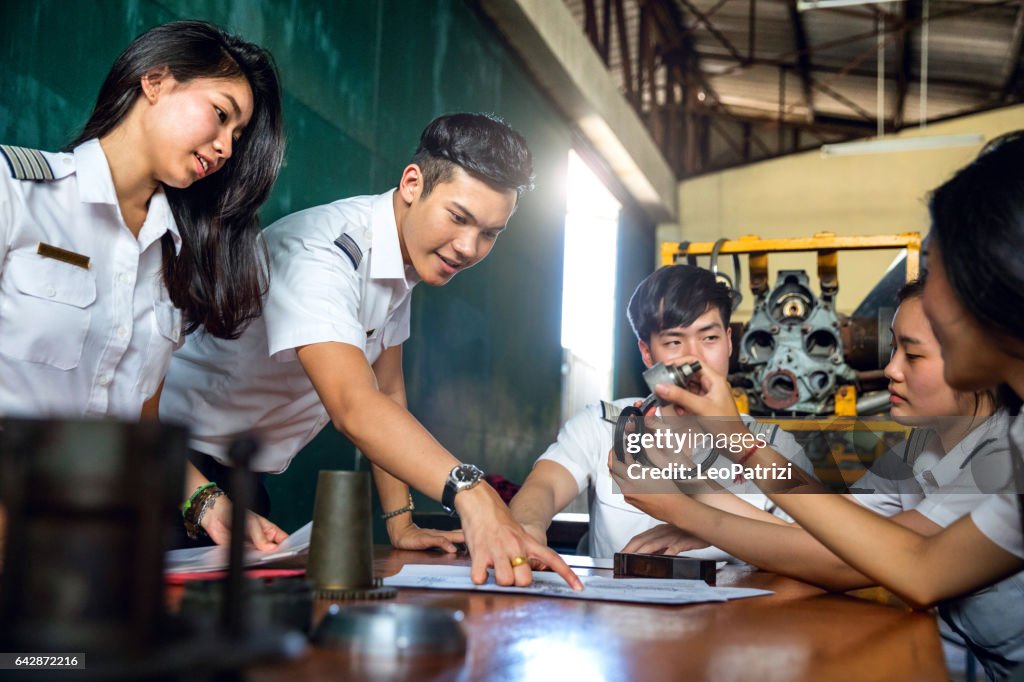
466	473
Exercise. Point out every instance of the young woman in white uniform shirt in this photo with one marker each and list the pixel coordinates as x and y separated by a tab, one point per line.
142	231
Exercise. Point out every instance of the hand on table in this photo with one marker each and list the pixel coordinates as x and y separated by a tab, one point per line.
411	536
496	541
664	539
260	533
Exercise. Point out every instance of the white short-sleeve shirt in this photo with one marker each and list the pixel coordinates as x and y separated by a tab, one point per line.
917	476
944	489
999	517
86	333
582	448
336	274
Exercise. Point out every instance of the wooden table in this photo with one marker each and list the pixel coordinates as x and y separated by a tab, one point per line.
799	633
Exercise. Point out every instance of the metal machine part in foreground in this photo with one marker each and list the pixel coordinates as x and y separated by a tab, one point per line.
341	547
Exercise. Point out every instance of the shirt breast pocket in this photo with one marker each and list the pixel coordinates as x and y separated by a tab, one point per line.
45	311
164	339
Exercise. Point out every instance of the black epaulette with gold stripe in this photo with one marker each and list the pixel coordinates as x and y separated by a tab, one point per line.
26	164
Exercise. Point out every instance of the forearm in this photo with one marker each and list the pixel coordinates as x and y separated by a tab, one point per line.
534	506
394	495
396	442
732	504
193	479
921	570
546	491
772	546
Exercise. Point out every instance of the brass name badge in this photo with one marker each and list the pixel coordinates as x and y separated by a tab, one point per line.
63	255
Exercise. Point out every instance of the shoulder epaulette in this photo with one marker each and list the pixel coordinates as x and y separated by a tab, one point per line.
609	412
763	428
915	445
349	247
26	164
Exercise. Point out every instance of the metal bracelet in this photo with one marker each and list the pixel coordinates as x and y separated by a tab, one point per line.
398	512
194	515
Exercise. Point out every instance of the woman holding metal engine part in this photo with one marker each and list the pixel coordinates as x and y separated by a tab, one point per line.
975	309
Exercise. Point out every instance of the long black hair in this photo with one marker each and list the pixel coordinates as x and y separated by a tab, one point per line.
978	222
218	279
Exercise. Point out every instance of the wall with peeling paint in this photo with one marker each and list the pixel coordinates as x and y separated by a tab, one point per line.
361	79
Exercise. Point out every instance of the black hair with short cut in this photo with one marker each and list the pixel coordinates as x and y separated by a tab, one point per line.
912	289
483	145
218	279
675	296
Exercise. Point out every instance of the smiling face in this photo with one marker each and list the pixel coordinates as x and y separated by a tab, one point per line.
706	340
191	128
452	228
915	370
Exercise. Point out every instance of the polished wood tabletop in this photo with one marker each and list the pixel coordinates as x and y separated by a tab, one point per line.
798	633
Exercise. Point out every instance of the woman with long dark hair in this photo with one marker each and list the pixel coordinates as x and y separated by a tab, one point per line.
144	229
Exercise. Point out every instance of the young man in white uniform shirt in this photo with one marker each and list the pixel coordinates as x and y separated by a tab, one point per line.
328	348
679	314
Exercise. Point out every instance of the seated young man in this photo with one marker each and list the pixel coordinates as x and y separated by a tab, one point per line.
679	314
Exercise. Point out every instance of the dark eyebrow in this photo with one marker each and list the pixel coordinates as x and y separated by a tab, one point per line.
234	105
466	211
711	326
909	340
472	218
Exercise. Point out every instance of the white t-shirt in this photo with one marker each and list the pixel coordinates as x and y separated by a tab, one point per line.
336	274
87	333
582	448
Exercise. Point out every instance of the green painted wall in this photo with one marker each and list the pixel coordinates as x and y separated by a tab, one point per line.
361	79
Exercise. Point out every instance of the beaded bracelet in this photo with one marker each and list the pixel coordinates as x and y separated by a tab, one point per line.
187	504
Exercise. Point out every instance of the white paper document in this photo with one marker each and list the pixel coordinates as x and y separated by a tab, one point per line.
199	559
639	590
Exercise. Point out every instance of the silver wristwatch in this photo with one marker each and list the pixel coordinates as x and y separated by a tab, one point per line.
462	477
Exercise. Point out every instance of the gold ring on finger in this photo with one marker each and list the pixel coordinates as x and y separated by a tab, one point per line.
518	561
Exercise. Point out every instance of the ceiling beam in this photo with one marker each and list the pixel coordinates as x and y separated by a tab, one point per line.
872	34
904	57
803	59
979	89
1014	69
710	26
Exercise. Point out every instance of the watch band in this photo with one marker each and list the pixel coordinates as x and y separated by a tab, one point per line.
457	483
448	496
